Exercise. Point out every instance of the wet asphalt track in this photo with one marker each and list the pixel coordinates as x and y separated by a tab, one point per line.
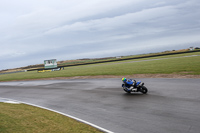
171	106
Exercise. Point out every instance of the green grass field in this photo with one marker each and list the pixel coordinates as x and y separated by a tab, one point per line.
171	64
21	118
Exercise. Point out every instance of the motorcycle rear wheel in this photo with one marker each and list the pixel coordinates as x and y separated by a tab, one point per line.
144	90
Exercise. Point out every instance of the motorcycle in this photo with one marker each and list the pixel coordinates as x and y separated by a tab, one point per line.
133	86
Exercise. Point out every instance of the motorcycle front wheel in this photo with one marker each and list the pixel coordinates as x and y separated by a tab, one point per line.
144	90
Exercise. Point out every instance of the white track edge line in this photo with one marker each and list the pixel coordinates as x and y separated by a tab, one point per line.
80	120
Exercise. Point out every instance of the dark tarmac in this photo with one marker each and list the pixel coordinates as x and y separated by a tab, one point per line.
171	105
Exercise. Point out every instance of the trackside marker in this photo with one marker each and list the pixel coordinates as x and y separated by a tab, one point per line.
8	101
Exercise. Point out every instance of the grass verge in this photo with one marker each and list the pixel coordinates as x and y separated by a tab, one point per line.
21	118
175	64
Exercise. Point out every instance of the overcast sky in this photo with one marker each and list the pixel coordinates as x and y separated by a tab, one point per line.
32	31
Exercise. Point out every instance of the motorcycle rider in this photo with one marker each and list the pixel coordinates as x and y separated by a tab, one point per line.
129	83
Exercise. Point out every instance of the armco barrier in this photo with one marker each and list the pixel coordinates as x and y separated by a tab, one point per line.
13	72
50	69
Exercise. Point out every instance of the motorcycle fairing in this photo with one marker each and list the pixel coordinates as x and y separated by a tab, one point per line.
138	83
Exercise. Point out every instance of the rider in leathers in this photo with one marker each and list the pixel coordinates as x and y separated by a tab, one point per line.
128	84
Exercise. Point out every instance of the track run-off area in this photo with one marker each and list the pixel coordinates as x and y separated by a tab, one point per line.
171	105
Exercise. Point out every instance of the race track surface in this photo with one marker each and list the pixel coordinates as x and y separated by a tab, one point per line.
171	105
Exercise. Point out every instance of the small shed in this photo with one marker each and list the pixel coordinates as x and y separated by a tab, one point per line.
50	63
191	48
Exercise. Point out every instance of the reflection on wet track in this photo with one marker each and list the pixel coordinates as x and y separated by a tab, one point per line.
171	105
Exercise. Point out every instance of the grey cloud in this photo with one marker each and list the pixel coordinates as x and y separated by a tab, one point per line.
36	30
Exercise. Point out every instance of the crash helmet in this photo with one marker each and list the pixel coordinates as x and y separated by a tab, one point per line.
124	79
